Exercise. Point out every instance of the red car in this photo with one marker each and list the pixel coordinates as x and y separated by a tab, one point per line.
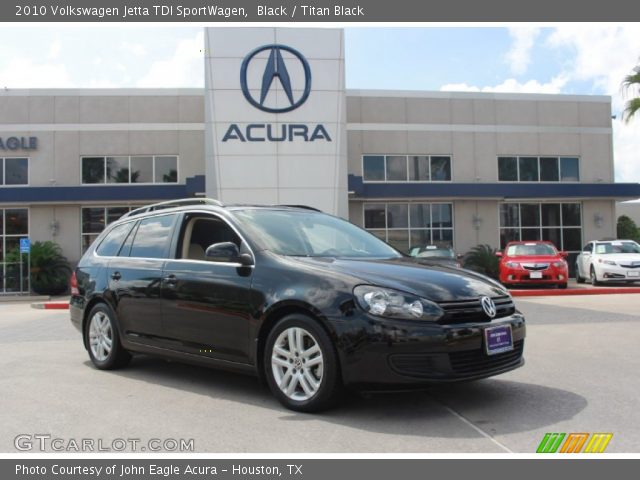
533	263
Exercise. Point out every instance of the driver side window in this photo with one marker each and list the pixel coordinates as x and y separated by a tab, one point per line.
199	232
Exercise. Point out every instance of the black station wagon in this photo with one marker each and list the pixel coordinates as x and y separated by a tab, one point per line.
308	302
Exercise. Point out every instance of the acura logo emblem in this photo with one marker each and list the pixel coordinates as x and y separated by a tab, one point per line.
275	71
488	306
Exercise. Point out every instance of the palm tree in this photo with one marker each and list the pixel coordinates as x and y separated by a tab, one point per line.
632	81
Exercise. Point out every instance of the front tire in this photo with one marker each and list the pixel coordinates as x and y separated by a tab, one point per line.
301	365
593	277
579	278
103	339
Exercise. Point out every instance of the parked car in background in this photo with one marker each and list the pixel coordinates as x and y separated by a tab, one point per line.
609	261
307	301
437	254
533	263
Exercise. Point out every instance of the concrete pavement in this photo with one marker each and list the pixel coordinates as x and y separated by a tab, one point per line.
580	376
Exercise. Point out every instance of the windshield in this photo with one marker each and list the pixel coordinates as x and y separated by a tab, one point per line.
311	234
437	252
617	247
525	249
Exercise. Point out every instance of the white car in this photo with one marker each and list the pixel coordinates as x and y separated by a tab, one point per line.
609	261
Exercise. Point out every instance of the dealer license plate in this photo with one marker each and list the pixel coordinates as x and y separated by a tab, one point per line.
535	275
498	339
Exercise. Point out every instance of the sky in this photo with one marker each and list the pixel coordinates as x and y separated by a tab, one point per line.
565	58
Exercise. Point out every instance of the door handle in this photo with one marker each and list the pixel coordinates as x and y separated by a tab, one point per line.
170	280
116	276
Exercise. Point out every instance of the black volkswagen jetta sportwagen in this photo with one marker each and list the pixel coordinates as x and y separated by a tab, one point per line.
307	301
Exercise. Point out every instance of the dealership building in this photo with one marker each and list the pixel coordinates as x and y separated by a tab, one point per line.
276	125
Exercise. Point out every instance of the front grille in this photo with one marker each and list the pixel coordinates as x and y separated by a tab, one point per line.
464	311
535	267
630	265
472	362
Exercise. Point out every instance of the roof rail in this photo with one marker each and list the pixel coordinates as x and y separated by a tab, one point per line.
182	202
306	207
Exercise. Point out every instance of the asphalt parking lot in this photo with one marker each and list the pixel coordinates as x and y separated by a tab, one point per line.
581	375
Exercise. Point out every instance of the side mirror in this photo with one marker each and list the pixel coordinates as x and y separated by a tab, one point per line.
227	252
564	254
498	254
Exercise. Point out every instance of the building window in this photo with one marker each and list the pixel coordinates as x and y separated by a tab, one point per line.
95	219
538	169
14	225
560	223
406	168
409	225
14	171
130	169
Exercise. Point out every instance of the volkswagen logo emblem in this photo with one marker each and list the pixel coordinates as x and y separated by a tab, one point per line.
488	306
276	71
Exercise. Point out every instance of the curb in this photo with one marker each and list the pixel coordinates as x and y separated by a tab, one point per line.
51	305
573	291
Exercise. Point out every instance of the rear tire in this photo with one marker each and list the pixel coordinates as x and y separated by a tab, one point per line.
301	365
103	339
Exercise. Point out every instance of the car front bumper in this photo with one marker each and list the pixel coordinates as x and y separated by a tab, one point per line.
549	276
377	353
616	273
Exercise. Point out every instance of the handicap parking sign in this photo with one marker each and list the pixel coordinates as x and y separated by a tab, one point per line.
25	245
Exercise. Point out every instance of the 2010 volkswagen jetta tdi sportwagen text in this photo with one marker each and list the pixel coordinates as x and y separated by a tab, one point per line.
307	301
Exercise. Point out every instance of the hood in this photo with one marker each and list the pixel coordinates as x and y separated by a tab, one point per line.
534	258
621	257
420	277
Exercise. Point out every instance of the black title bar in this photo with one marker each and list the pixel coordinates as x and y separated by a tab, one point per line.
268	11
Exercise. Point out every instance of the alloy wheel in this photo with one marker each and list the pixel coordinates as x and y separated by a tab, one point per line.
297	363
100	336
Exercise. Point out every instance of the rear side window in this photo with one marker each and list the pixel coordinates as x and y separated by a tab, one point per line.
153	237
110	246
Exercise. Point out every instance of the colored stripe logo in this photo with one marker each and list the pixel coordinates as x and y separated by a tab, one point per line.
574	443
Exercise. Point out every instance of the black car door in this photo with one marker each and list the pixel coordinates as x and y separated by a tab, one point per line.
135	278
206	305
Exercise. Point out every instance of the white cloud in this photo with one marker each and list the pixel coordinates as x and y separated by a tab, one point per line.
511	85
24	73
604	55
54	49
185	68
519	55
135	48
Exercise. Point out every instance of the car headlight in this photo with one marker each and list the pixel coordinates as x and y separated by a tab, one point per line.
559	264
607	262
512	264
388	303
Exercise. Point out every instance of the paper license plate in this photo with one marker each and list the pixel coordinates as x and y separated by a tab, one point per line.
535	275
498	339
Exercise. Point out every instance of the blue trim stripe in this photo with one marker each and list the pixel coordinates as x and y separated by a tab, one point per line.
102	193
493	190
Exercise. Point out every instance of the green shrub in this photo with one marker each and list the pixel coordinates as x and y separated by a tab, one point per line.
482	259
50	269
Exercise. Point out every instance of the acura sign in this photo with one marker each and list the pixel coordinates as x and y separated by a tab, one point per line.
276	71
